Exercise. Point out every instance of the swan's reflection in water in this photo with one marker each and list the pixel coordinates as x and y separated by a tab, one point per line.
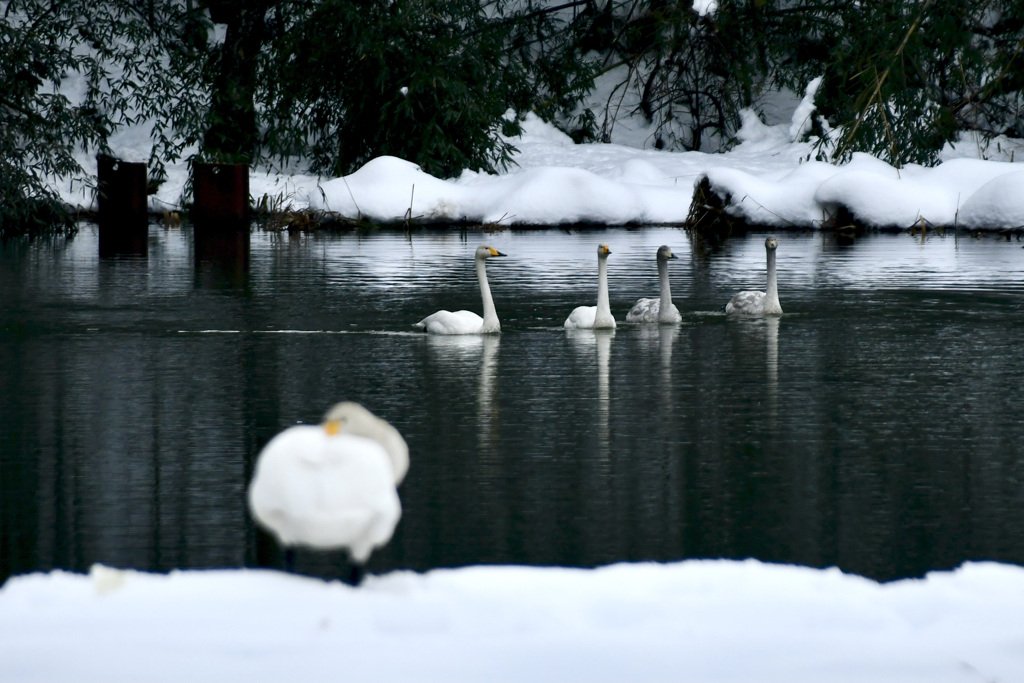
487	408
664	453
662	336
604	352
667	335
594	347
599	343
469	364
772	365
755	334
474	354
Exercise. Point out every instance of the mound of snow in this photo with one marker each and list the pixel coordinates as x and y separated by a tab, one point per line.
999	203
711	620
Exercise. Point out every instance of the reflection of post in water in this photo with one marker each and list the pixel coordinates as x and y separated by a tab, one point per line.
222	255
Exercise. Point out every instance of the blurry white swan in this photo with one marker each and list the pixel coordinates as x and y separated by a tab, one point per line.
660	310
759	303
600	316
467	322
331	486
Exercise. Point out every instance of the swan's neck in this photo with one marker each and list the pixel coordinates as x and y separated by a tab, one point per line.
603	306
491	323
771	299
665	306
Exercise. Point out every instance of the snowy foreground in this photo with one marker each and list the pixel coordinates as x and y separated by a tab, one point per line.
769	177
688	621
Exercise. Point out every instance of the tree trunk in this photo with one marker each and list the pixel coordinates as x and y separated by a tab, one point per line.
231	134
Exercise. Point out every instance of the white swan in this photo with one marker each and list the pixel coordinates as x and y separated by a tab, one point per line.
660	310
759	303
600	316
330	486
467	322
351	418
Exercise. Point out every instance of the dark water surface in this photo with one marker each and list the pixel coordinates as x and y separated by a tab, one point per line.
877	426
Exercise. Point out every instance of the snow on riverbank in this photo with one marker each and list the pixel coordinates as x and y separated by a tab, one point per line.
698	620
770	179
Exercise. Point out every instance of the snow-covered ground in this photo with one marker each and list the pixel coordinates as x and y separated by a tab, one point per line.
770	176
690	621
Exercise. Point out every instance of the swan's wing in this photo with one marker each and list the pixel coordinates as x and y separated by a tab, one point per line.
449	322
582	317
675	315
398	450
644	311
746	303
279	479
359	506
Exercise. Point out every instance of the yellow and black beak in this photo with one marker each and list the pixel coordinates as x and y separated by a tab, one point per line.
332	427
495	252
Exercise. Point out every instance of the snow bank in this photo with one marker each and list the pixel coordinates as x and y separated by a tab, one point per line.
695	620
768	178
876	194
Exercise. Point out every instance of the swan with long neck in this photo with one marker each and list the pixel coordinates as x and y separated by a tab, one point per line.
349	417
660	310
467	322
600	316
753	303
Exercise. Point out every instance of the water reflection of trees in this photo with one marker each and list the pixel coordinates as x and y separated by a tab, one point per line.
114	477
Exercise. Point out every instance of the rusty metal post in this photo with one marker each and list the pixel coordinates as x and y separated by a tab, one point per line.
220	219
122	204
220	194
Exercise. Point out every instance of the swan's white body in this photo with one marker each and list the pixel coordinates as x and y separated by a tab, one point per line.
660	310
318	487
599	316
751	303
467	322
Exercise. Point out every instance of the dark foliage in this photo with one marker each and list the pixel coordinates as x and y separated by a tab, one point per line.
900	79
425	80
338	82
135	67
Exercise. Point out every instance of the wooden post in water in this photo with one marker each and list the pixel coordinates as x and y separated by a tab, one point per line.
122	204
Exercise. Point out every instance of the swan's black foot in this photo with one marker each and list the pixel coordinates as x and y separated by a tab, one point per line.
355	574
